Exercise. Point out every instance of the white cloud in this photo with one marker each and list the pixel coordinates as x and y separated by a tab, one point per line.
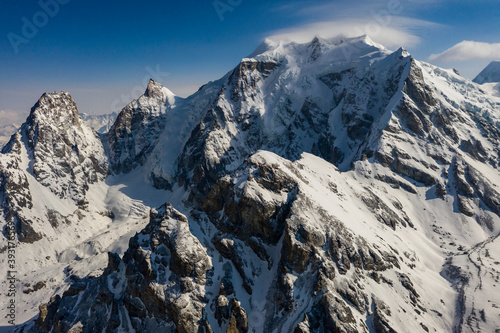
382	21
390	31
469	50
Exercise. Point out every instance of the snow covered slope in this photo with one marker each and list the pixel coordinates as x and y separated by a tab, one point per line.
332	186
136	130
490	74
152	130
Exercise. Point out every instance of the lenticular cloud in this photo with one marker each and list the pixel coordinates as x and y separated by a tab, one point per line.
468	50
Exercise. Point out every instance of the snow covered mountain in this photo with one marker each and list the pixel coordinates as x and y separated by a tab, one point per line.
332	186
6	132
489	78
490	74
101	123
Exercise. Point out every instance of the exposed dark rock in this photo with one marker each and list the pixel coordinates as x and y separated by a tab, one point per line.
247	74
62	145
417	89
235	251
475	149
396	183
484	189
440	190
39	285
249	215
136	131
383	212
380	313
238	323
126	291
331	314
465	205
412	172
408	284
55	219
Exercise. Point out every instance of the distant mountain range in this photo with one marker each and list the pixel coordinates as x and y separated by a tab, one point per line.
491	74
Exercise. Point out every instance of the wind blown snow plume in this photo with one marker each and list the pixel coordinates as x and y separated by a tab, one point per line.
381	21
386	35
391	31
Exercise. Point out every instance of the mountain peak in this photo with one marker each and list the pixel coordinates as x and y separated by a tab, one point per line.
334	48
141	118
315	41
158	91
489	74
65	155
265	46
402	52
57	108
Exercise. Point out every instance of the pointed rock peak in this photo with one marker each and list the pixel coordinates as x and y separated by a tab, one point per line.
315	41
402	52
490	74
56	108
153	88
55	97
158	91
315	48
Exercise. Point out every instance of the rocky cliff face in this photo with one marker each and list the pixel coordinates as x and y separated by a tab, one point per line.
332	186
292	98
57	151
285	261
67	156
138	127
15	191
141	291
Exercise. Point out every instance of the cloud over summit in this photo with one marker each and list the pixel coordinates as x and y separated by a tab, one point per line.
469	50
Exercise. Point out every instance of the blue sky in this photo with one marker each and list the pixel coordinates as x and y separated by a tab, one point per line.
103	52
